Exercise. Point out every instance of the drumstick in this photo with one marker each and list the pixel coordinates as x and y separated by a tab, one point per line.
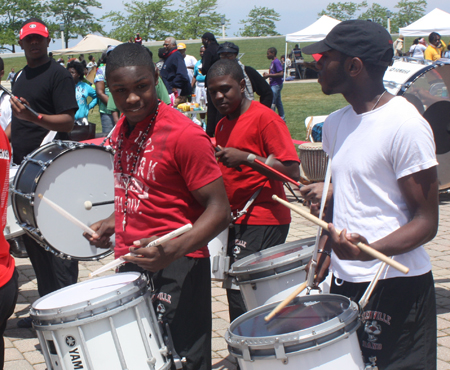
88	204
364	247
252	158
67	215
120	261
286	301
39	116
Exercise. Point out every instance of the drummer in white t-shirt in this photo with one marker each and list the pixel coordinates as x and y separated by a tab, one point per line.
385	194
189	60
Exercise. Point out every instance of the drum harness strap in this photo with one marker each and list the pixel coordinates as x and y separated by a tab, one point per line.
244	210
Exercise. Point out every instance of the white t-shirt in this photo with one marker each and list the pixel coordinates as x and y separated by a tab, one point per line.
5	110
417	50
190	62
372	151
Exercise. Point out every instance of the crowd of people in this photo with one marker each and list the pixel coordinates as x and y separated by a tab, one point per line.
168	174
434	50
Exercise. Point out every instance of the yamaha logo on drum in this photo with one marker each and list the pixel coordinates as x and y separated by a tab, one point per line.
70	341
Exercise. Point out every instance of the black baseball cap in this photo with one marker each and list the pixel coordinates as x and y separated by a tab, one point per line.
228	47
357	38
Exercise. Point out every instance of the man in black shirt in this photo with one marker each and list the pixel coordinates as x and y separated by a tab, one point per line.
49	89
254	82
210	56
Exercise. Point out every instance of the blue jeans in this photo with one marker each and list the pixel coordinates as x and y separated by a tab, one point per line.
107	122
276	100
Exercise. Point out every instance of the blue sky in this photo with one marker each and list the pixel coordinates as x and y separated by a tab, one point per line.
294	15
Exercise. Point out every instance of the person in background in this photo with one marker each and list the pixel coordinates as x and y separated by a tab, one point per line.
199	87
174	72
254	82
91	64
275	74
130	40
398	46
137	39
189	60
49	89
250	127
9	285
11	75
417	49
5	105
447	52
101	87
61	62
50	55
82	60
82	91
210	56
434	50
284	61
159	64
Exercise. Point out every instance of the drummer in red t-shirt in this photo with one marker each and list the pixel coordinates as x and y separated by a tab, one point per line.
250	127
166	176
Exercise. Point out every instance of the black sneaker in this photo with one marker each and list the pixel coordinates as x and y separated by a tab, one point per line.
24	323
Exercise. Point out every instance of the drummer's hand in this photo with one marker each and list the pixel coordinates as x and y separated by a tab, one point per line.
152	258
231	157
103	231
323	264
20	111
312	192
344	247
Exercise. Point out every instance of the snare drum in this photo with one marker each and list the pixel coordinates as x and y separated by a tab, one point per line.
313	161
220	262
274	273
312	332
105	323
69	174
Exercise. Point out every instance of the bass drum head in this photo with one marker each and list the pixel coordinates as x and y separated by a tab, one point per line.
76	173
426	86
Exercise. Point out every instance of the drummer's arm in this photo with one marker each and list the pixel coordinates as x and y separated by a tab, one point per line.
104	230
62	122
214	219
421	194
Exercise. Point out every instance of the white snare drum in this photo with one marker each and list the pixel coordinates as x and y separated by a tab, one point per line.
69	174
12	228
220	262
313	161
312	332
425	84
274	273
105	323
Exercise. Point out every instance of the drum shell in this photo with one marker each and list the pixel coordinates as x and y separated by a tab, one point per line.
12	228
275	279
95	334
330	345
313	162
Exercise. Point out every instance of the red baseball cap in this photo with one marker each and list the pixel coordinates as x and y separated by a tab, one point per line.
33	28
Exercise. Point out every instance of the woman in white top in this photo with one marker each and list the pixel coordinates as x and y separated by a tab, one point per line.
417	48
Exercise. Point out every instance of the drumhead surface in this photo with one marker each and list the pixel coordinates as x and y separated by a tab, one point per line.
292	318
85	291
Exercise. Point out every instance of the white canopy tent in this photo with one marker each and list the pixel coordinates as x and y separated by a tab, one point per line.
89	44
314	32
435	21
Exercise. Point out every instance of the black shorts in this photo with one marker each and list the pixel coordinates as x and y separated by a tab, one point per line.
182	298
399	321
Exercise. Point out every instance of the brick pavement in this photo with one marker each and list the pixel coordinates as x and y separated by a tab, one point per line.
23	349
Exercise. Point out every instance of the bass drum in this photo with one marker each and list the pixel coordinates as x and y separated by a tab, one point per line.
425	84
68	174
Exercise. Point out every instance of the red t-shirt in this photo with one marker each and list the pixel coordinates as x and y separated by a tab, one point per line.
177	158
6	261
262	132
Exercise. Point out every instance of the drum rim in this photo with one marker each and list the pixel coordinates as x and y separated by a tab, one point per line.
324	334
34	232
90	308
241	266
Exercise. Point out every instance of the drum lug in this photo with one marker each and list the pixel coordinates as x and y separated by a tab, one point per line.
245	351
254	287
372	365
280	354
23	195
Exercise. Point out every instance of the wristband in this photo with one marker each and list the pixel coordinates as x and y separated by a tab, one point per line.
328	253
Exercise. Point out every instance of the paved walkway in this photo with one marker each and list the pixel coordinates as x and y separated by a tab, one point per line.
23	349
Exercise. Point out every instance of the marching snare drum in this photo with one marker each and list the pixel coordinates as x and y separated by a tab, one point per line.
313	161
69	174
274	273
104	323
220	262
426	84
312	332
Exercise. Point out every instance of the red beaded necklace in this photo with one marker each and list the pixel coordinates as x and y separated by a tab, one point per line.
127	178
